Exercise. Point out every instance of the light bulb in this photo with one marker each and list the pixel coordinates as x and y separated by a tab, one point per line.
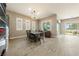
29	9
37	13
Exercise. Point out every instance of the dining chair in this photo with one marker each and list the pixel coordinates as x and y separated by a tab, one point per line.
42	36
27	33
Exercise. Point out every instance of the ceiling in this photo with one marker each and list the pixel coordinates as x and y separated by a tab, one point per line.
63	10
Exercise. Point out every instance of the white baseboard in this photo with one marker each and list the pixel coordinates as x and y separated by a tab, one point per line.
22	36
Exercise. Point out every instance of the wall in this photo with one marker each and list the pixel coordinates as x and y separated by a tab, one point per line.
12	24
69	20
53	21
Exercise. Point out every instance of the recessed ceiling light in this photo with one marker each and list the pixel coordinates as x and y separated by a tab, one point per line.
38	13
29	9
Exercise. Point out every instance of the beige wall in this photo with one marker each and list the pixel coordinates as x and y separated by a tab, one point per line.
69	20
12	24
53	21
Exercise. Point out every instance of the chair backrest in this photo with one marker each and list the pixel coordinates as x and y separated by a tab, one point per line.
31	36
28	33
48	34
42	34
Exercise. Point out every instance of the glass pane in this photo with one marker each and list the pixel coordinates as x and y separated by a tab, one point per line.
73	26
77	25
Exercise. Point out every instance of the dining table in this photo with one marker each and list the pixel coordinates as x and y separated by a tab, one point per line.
36	35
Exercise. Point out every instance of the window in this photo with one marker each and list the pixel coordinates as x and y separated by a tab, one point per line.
27	25
72	26
19	24
33	25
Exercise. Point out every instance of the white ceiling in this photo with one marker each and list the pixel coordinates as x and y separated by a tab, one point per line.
45	9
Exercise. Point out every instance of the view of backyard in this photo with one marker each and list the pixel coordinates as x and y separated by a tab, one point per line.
72	28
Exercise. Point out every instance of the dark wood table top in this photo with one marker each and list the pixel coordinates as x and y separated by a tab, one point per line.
36	32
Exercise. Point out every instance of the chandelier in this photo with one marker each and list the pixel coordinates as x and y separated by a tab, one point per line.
33	13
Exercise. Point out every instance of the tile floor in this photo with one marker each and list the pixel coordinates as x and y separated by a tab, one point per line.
63	45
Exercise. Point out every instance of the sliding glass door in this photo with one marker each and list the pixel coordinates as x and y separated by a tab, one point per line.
72	28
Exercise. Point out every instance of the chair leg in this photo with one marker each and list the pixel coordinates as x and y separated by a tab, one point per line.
3	52
40	41
43	39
